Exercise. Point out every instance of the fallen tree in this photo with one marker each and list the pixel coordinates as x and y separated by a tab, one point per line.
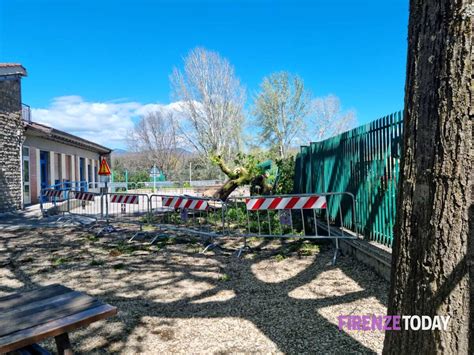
247	172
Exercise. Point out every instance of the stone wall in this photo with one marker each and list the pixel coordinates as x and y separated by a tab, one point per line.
11	132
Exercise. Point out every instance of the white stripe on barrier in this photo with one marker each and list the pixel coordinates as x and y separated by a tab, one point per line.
286	203
52	193
84	196
181	202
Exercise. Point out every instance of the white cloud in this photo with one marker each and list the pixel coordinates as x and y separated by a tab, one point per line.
106	123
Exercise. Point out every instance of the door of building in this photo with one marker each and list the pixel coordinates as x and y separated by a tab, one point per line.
26	175
44	169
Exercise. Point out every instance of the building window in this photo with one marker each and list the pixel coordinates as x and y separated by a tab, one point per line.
26	175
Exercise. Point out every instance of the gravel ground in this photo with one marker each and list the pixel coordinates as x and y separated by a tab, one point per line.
282	298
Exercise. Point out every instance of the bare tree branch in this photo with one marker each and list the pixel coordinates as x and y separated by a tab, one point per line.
156	135
327	119
213	101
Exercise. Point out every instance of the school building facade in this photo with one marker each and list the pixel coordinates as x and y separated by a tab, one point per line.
34	156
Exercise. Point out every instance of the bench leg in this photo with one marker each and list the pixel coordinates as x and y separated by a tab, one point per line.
63	344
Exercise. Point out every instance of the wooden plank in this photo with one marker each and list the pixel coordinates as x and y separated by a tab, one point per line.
47	313
20	298
67	324
30	308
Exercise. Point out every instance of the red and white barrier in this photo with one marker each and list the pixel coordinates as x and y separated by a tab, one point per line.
127	199
52	193
286	203
181	202
84	196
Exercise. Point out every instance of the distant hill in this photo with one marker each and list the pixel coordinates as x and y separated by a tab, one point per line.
119	151
122	152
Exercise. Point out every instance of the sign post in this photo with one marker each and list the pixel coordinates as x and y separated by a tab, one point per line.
154	173
104	172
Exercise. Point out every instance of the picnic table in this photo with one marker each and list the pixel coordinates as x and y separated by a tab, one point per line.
51	311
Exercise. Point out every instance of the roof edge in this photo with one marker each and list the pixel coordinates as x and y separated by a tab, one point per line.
61	135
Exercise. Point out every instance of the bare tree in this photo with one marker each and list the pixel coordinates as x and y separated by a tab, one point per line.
156	135
327	119
280	109
212	100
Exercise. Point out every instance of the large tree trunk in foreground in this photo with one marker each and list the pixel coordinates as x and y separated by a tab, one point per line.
433	240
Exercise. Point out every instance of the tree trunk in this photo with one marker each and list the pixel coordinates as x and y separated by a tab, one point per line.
239	177
433	241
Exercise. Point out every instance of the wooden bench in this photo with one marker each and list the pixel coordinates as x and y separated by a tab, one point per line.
51	311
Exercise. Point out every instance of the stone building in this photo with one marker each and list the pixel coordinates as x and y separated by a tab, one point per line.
34	156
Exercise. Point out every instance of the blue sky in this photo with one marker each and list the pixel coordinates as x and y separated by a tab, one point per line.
123	51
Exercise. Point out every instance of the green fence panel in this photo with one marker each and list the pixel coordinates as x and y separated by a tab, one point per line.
364	161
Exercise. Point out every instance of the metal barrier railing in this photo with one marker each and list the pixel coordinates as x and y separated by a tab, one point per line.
288	216
87	204
200	216
52	199
125	207
284	216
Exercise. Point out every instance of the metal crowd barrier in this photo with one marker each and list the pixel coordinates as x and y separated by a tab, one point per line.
52	200
126	208
200	216
288	216
87	204
284	216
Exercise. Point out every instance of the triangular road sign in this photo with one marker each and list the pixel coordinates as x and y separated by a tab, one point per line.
104	168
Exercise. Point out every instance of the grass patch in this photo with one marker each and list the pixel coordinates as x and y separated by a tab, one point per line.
224	278
148	228
95	262
126	248
59	261
92	238
302	248
308	249
253	240
193	248
280	257
119	266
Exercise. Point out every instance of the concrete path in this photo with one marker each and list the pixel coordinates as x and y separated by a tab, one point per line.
31	218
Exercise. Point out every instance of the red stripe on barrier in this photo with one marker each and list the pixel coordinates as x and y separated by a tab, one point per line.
257	204
178	202
324	205
188	203
198	205
274	203
311	201
126	199
292	203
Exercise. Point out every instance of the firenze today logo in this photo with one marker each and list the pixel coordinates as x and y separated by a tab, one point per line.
382	323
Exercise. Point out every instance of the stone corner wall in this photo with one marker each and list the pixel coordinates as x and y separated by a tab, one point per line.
11	137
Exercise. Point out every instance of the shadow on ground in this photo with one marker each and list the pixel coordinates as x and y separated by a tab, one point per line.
172	299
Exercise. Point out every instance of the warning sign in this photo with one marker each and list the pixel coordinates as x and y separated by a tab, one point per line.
104	168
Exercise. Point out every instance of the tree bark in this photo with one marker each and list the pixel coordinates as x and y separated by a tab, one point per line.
240	177
433	245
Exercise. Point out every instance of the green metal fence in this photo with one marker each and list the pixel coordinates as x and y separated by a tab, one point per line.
364	161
